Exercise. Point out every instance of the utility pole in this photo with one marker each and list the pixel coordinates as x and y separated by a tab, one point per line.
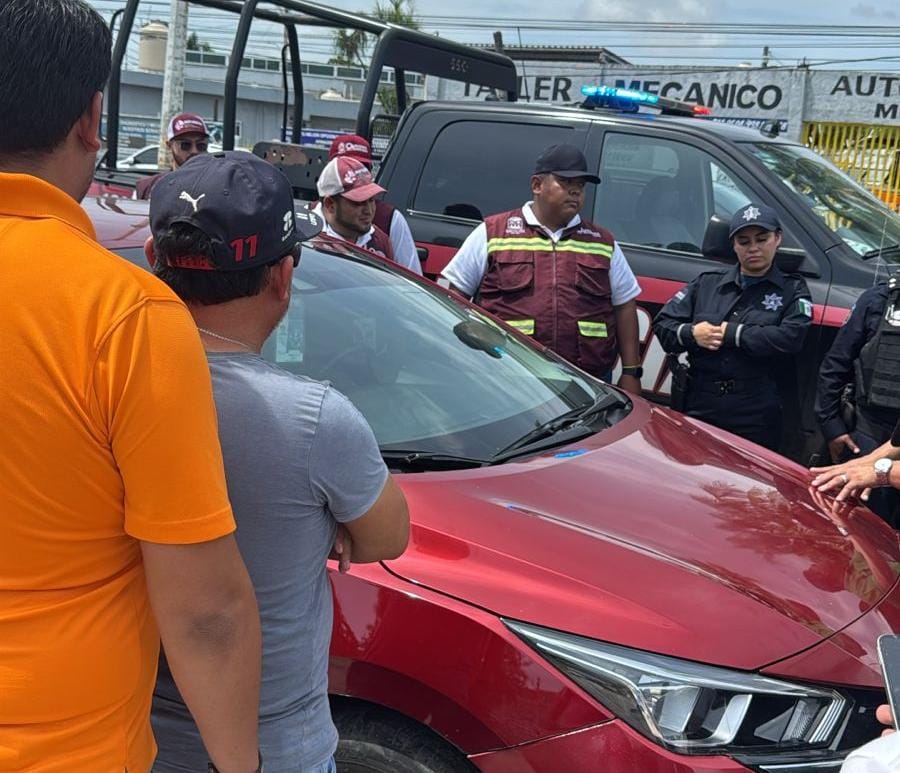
173	79
765	56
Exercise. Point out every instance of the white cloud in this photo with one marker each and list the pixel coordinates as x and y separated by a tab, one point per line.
868	11
654	11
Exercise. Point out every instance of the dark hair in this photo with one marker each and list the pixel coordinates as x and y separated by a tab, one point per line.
204	287
55	56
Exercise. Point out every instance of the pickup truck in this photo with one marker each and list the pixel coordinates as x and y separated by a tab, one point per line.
670	182
669	185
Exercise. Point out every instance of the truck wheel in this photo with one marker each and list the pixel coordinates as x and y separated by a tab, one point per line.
375	740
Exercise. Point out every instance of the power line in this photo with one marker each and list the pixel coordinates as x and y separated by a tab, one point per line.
217	29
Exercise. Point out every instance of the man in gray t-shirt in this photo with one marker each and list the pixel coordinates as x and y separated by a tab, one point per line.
301	462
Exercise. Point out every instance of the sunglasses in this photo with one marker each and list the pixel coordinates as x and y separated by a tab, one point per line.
186	145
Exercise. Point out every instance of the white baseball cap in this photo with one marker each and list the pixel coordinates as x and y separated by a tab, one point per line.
348	177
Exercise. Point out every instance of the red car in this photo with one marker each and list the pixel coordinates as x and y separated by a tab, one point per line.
593	583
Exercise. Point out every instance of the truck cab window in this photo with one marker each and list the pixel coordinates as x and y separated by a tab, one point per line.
660	193
472	171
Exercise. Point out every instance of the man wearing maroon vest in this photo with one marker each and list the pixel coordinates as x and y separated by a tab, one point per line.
387	218
347	205
554	276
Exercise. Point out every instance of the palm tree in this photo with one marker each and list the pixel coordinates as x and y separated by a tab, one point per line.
351	47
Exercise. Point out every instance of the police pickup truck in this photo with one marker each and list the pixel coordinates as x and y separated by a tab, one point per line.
671	176
670	181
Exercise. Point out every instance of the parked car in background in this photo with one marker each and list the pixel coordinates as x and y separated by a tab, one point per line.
146	159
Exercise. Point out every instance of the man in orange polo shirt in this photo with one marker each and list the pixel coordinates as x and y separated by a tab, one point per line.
113	493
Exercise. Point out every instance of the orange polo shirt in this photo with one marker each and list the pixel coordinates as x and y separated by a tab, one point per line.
107	437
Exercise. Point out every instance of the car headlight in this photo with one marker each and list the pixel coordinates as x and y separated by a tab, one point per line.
689	707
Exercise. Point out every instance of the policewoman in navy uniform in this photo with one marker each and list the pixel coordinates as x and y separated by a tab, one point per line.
864	357
739	326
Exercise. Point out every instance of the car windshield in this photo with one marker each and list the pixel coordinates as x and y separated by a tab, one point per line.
863	222
430	375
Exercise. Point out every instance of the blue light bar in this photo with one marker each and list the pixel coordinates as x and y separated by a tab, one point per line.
614	92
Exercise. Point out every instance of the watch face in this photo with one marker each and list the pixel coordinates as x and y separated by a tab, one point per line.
884	465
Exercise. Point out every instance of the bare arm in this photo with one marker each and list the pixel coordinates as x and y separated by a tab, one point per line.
455	289
209	624
627	332
629	345
382	532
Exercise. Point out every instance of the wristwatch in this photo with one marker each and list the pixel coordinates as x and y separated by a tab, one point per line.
883	471
633	370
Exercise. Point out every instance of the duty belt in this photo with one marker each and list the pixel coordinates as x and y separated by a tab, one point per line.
727	386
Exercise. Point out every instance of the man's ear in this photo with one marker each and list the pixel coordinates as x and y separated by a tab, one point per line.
87	127
536	182
283	274
148	252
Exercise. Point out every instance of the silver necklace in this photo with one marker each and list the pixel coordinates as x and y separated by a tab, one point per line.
226	338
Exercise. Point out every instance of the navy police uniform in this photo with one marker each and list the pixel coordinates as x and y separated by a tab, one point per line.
736	386
843	366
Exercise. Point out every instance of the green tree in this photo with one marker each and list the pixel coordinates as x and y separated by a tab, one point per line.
351	47
195	44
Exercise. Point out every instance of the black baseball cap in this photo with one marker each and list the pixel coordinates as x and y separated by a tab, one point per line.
241	202
564	161
754	214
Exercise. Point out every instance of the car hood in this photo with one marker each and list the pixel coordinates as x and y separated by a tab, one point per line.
660	533
120	222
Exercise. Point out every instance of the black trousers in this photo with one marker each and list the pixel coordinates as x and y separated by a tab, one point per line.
751	410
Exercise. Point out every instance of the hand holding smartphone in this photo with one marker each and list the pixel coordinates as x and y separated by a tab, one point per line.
889	657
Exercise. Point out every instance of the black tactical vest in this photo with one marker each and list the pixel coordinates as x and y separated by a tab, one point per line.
878	367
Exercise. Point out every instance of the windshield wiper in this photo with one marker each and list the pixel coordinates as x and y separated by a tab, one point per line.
882	252
429	460
575	421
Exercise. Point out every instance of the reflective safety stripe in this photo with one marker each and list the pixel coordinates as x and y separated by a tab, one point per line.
536	244
525	326
592	329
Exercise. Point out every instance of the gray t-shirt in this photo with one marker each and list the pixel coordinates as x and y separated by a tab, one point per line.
299	458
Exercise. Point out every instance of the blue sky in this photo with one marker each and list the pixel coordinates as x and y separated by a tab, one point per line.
675	48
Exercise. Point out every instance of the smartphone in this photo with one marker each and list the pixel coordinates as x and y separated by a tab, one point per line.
889	657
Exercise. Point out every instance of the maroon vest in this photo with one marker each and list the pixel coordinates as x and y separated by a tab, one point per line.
559	294
384	214
379	244
145	185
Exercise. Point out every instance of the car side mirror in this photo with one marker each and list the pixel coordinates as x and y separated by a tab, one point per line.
792	260
716	244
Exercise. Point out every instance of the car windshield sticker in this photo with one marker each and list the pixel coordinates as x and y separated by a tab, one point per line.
290	340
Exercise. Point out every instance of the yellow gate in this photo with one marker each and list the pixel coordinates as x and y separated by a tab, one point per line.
870	154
